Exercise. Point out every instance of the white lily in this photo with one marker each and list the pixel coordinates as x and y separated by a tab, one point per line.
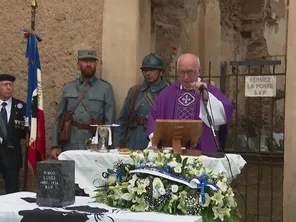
131	189
133	180
223	186
166	151
128	196
230	199
178	169
220	212
190	161
158	164
152	156
167	156
173	163
141	189
218	197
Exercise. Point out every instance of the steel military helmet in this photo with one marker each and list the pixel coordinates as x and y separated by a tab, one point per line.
152	60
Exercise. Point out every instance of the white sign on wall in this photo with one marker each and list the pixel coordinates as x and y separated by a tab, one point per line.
260	86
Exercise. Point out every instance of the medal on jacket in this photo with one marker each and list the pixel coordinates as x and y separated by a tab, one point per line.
19	106
18	124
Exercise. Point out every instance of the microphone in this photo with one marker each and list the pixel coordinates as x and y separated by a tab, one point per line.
202	89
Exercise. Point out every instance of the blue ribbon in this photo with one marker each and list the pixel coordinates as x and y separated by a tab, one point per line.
167	168
118	175
164	171
111	171
202	185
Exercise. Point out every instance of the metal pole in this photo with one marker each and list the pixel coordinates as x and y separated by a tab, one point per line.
33	13
27	127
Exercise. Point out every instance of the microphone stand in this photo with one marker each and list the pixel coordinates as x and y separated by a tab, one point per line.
216	139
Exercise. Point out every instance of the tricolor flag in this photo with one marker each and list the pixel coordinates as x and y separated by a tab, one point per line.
34	112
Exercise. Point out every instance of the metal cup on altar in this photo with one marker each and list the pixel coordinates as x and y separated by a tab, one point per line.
103	132
90	145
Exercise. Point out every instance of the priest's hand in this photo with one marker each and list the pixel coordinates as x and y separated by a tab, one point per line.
197	86
55	152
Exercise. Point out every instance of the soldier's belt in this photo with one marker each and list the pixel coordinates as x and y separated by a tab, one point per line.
138	121
86	126
142	121
80	125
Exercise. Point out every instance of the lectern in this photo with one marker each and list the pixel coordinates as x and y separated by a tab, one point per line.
178	133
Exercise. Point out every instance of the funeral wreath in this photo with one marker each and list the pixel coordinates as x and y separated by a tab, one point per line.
169	183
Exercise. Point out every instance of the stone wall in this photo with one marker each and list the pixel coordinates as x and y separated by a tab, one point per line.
225	30
65	27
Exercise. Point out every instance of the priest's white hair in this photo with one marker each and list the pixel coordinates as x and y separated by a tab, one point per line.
197	61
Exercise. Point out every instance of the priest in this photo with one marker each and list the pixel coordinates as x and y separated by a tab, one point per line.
182	100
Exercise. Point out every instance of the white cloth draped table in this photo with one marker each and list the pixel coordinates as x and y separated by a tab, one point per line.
11	204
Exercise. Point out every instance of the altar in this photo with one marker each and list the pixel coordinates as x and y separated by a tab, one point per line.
89	166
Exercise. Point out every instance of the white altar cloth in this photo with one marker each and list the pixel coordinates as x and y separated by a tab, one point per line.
12	204
89	166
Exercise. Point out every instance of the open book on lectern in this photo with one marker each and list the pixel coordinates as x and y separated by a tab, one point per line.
176	133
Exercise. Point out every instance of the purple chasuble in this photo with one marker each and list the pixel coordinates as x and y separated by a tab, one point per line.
172	103
185	107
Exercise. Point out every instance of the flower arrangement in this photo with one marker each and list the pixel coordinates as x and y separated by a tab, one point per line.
166	182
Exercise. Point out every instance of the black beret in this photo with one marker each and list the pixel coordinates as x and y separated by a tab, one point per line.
7	77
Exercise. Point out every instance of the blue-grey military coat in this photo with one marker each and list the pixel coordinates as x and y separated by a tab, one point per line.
100	102
136	138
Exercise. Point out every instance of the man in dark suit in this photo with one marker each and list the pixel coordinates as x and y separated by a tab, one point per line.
12	131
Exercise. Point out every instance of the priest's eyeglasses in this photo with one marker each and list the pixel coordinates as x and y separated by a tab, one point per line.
190	73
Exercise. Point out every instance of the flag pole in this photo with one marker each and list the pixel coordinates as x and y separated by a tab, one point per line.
27	126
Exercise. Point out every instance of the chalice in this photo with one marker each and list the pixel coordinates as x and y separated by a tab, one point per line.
103	132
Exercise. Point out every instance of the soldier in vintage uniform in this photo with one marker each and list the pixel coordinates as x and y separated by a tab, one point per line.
96	107
136	108
12	131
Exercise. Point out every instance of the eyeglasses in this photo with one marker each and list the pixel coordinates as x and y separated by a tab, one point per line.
190	73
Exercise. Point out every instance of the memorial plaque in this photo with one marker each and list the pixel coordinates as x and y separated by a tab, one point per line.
55	183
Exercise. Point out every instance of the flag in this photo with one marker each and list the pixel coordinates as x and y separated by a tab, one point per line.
34	112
